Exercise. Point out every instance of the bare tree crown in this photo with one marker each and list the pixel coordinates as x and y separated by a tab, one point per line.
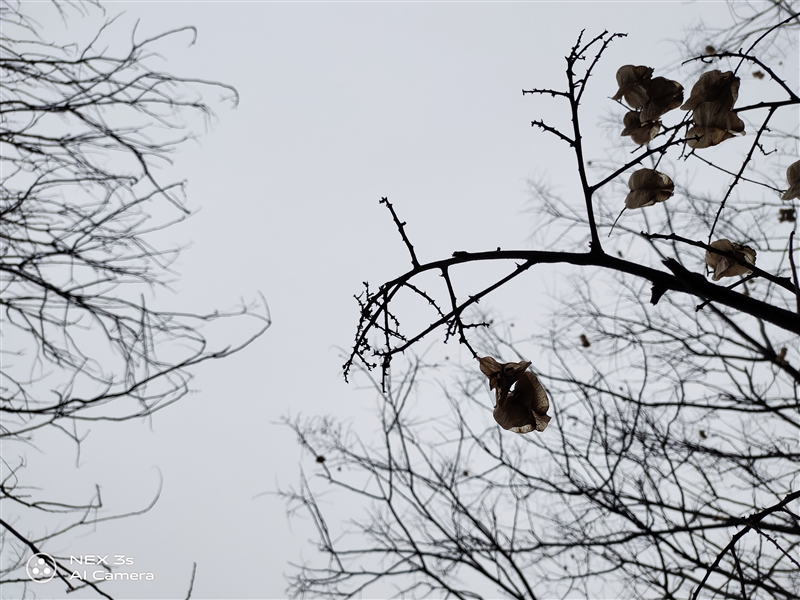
84	130
670	465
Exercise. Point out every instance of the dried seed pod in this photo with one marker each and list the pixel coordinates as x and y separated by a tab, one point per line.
723	266
523	409
705	137
710	114
630	79
585	341
648	186
713	126
501	376
781	357
715	86
793	178
787	215
641	133
663	95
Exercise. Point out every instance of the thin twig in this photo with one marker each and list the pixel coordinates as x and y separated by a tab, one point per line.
191	581
794	271
401	228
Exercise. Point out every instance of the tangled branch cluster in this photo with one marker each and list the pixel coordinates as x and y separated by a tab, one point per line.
83	129
670	464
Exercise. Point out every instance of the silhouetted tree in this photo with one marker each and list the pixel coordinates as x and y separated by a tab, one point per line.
671	466
83	129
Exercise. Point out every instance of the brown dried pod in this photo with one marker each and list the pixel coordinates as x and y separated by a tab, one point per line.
714	86
501	375
648	186
585	341
787	215
722	266
793	178
641	133
781	357
713	126
705	137
663	95
630	79
523	409
709	114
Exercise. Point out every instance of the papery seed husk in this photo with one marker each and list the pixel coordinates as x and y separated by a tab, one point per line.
640	133
722	266
793	179
651	179
706	137
525	408
663	95
714	86
648	186
628	78
711	114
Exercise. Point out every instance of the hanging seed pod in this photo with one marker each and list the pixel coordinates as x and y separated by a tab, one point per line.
723	266
501	376
715	86
630	80
713	126
523	409
663	95
710	114
640	132
793	178
648	186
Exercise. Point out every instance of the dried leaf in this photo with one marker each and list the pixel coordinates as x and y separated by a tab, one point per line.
793	178
648	187
585	341
758	74
723	266
717	87
630	80
787	215
640	132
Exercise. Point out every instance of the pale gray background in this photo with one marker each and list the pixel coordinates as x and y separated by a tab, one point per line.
341	103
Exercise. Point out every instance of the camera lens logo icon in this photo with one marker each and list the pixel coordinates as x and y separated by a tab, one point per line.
41	567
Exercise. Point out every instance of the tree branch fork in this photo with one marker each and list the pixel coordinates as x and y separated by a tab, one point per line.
677	279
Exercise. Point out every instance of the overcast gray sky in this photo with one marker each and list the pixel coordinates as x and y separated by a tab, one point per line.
341	103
